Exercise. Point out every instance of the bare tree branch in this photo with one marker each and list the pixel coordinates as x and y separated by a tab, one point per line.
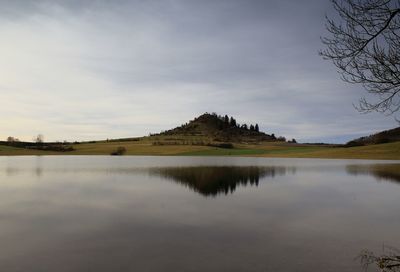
389	261
365	47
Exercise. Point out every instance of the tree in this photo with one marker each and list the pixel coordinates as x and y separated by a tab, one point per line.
281	139
226	119
39	139
365	47
11	139
251	127
232	122
257	128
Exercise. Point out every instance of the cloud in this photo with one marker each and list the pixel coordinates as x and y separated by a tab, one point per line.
81	70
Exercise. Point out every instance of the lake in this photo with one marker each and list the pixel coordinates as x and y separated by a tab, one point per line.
104	213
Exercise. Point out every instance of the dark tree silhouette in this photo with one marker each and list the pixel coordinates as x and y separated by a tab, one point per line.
365	47
226	119
251	127
281	139
257	128
232	122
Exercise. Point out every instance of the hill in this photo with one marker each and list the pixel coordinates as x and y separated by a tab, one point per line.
386	136
214	135
220	129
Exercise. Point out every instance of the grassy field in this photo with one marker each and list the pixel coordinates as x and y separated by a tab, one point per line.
182	147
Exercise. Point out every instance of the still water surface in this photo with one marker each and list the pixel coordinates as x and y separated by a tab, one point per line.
106	213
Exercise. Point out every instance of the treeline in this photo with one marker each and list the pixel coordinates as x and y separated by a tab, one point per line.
198	143
227	122
231	122
218	122
39	144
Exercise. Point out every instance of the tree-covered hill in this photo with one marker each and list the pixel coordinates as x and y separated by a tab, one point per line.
221	128
386	136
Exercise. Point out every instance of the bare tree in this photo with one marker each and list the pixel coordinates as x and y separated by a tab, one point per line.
365	47
39	139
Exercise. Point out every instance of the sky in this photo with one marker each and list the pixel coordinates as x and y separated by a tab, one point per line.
91	70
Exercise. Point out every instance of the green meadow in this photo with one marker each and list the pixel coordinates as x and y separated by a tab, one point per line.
199	147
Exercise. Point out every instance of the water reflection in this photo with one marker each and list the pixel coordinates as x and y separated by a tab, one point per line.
206	180
36	168
39	170
134	214
214	180
390	172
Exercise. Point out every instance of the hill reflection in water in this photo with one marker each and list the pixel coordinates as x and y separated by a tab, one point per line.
215	180
389	172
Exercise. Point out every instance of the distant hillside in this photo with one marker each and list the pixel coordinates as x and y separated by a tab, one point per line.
387	136
221	128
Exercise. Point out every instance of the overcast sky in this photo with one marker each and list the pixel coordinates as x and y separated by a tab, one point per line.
83	70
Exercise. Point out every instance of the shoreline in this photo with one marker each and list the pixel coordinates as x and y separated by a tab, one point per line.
388	151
